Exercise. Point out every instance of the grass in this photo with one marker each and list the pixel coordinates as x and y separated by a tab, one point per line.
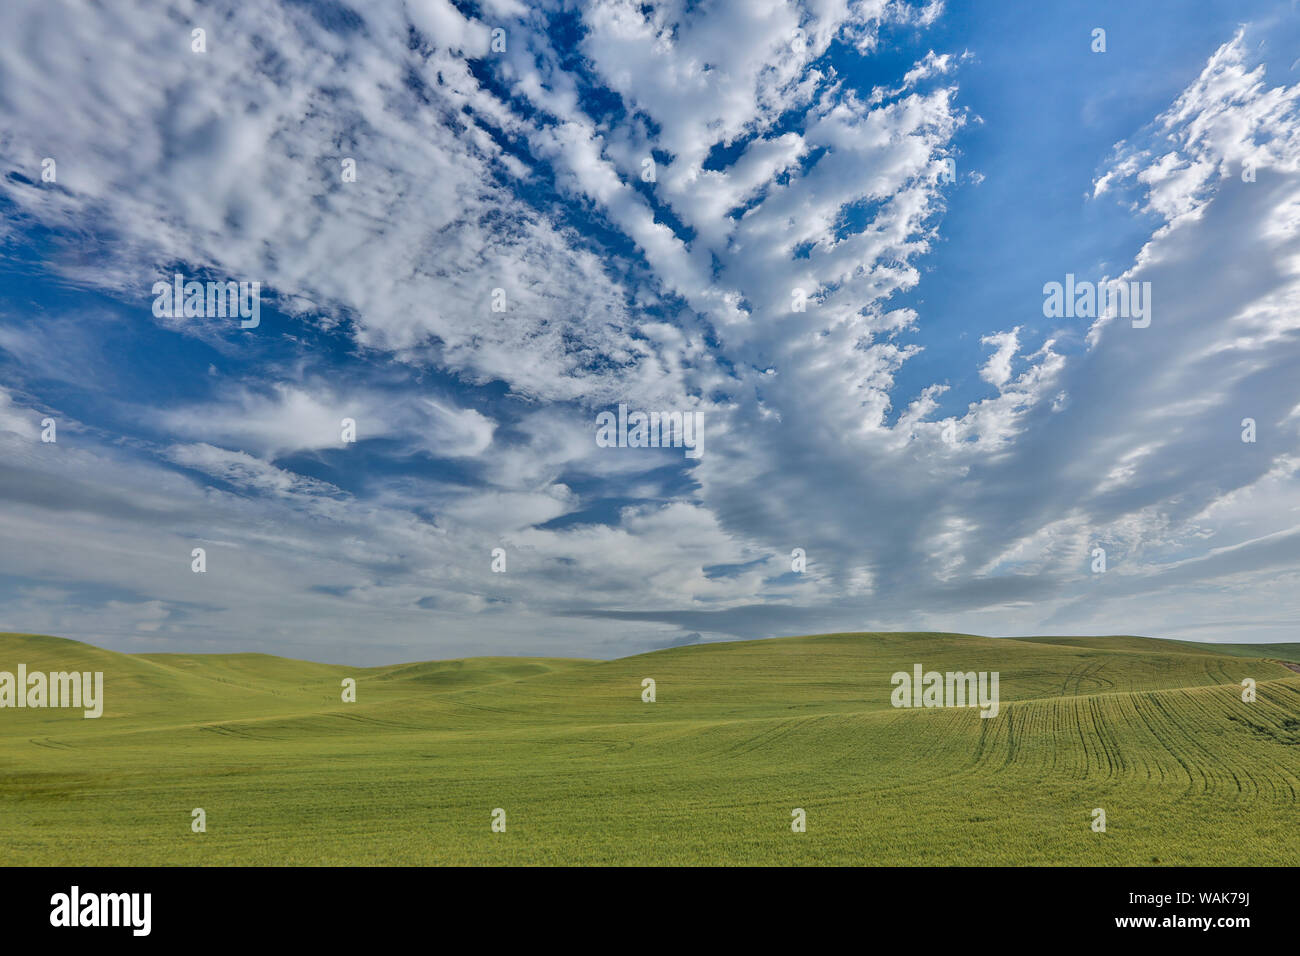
1154	732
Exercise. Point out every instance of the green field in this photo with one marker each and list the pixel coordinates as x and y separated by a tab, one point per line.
1154	732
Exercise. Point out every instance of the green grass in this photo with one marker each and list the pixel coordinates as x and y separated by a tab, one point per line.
1154	732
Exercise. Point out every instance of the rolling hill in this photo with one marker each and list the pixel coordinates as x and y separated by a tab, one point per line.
1154	732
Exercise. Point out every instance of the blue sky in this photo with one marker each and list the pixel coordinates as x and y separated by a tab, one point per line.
945	455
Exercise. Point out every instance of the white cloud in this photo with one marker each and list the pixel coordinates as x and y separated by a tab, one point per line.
295	418
17	420
997	371
1130	442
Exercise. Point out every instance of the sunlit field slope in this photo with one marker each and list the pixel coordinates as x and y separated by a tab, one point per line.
1156	733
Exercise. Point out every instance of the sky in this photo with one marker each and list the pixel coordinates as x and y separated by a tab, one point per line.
826	232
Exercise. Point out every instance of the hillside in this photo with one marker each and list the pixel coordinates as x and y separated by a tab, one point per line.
1154	732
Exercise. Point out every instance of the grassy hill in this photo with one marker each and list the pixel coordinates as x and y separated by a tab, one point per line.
1154	732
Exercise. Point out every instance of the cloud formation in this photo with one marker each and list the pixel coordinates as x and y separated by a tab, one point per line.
678	207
